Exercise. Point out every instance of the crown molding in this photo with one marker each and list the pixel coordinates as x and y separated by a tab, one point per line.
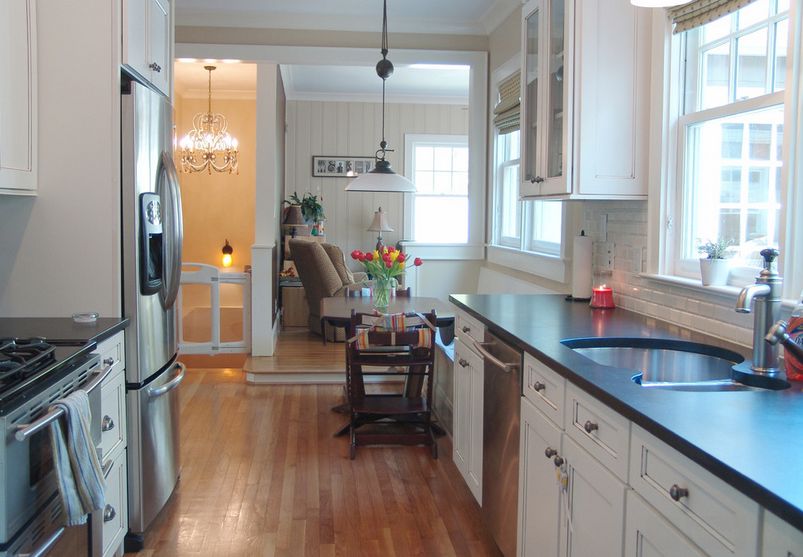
229	94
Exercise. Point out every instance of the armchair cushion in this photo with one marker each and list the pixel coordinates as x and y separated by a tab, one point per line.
339	261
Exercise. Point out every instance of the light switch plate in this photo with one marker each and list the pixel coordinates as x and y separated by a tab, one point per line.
607	258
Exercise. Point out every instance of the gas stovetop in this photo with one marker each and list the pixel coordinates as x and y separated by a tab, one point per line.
28	364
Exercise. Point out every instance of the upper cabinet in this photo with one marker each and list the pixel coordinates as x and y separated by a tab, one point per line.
585	99
147	39
18	122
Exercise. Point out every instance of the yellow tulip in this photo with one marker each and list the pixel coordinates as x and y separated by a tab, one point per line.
394	255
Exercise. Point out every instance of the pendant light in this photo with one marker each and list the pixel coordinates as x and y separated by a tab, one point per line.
381	178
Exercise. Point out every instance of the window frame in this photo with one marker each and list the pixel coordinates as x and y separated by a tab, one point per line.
668	146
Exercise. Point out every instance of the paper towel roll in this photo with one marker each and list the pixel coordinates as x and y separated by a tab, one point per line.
581	267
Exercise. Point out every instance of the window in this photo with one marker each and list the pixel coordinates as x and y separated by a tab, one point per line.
731	135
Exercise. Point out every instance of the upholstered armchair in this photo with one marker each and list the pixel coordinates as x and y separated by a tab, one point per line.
323	273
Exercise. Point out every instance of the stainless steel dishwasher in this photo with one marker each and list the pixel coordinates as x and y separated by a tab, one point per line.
500	446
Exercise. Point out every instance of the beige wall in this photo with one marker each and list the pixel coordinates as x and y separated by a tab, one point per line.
218	206
504	42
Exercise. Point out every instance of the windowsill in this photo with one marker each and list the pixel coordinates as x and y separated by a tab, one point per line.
721	293
445	252
550	267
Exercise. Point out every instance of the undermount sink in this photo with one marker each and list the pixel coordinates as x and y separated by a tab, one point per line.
668	364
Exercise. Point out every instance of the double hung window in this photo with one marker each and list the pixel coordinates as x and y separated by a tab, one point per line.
730	136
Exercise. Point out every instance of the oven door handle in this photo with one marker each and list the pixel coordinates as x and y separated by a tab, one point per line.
24	431
154	392
46	546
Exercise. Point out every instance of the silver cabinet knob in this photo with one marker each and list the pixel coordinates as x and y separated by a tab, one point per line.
466	329
550	452
558	460
538	386
677	493
107	424
536	180
109	513
462	362
590	426
108	361
155	67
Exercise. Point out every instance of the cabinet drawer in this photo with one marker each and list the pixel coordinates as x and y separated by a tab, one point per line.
467	328
604	433
115	513
545	388
112	352
648	533
716	517
112	414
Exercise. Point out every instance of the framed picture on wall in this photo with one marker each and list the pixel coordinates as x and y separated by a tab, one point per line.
324	166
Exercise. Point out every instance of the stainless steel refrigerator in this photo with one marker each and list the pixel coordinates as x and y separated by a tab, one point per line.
151	249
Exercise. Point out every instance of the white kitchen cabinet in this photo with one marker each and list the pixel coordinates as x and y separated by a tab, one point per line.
147	40
648	534
585	101
540	523
468	400
18	97
780	539
596	506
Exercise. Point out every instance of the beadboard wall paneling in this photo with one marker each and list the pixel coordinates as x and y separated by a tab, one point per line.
355	129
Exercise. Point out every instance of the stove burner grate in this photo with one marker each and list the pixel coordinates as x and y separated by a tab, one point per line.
20	357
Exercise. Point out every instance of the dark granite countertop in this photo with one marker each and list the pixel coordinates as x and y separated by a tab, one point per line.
753	440
61	328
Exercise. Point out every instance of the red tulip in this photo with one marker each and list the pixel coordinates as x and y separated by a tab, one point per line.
417	261
368	256
356	254
400	258
388	263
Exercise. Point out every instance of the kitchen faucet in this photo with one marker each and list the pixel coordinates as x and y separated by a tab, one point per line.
765	296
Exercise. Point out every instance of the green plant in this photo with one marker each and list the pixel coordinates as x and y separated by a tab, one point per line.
311	208
717	249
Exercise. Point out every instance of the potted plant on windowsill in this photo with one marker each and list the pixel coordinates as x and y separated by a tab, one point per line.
714	268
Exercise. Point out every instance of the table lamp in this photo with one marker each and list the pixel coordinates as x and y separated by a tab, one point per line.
379	225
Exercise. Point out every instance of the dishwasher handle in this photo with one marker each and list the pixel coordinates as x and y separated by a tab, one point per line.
480	347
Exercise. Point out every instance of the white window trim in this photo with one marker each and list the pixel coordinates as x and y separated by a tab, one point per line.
665	166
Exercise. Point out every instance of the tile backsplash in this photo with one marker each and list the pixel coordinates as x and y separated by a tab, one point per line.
620	228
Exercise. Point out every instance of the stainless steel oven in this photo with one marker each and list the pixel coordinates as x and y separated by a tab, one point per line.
30	511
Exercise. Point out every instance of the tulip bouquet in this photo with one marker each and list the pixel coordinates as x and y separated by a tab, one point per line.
384	266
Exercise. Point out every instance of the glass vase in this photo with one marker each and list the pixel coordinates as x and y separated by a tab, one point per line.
381	293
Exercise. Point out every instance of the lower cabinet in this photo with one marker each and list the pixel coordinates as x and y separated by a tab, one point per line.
596	506
115	513
468	399
539	487
780	539
648	534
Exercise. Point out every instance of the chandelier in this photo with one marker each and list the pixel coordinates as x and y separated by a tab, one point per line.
209	146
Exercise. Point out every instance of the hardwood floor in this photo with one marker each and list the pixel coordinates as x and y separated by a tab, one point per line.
263	475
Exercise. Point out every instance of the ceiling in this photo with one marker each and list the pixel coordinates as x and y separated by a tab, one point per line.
434	85
404	16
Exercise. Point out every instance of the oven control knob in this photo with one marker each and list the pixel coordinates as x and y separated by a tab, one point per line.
107	424
109	513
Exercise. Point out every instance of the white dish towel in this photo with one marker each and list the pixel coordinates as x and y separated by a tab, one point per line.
80	476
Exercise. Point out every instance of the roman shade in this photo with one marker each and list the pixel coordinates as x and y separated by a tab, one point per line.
698	13
506	111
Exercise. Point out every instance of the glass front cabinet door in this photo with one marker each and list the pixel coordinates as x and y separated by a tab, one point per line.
545	93
585	99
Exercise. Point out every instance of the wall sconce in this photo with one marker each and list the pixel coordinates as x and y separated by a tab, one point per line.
227	251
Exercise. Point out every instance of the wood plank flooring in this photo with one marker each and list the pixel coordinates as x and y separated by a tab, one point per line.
263	475
299	351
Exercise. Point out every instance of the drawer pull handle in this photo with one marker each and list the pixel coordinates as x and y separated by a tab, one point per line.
107	424
550	452
462	362
590	426
677	493
109	513
466	329
108	361
558	461
538	386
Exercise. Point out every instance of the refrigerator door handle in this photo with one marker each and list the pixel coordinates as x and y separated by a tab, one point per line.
174	232
154	392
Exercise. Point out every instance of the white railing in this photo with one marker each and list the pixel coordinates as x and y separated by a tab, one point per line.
202	274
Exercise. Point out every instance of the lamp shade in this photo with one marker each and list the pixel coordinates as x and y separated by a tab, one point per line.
293	215
380	222
381	179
